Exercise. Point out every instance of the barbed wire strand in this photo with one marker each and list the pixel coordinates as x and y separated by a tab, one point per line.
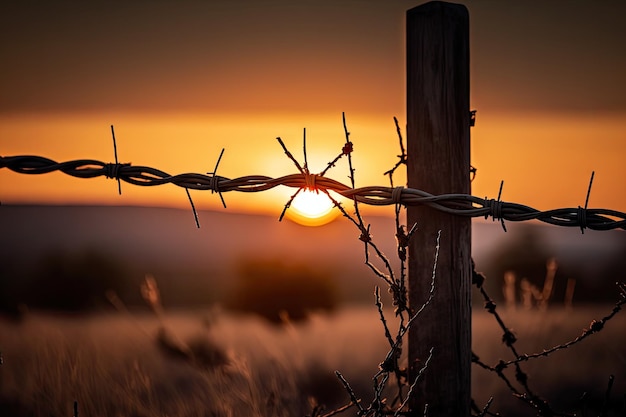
455	204
115	174
193	208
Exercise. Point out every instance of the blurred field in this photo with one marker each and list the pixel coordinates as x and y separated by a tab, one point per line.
210	363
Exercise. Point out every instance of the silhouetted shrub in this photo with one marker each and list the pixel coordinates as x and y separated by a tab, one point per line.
11	289
75	282
272	289
526	256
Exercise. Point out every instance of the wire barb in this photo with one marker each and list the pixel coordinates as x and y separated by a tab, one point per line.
495	207
115	170
215	184
193	208
582	212
402	158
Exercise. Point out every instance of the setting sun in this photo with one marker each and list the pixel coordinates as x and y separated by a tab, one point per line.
311	208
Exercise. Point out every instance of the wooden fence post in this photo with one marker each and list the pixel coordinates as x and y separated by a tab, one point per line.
438	145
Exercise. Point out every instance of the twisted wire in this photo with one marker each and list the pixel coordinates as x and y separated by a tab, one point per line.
455	204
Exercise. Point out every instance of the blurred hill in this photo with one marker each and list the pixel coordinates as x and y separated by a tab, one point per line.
200	266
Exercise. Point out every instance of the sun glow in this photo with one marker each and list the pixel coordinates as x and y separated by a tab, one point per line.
312	208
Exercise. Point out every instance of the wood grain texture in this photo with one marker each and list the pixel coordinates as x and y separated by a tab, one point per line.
438	145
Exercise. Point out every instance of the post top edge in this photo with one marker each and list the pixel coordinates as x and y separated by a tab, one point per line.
438	6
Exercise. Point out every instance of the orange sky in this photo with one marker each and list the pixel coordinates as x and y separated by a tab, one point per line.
182	81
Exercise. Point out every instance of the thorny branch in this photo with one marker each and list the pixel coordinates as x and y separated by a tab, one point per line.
509	340
528	396
594	327
396	285
390	366
379	406
402	158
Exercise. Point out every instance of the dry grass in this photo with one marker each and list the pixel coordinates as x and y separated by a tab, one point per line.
240	366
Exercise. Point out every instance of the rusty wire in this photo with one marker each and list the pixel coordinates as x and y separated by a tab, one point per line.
456	204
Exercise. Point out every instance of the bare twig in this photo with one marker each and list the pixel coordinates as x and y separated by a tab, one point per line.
402	157
419	374
379	305
350	391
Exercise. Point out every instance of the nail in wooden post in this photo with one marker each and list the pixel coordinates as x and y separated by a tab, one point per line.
438	145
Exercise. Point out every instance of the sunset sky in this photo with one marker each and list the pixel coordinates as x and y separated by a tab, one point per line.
182	80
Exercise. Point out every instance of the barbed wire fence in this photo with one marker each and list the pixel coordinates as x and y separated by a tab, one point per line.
390	368
457	204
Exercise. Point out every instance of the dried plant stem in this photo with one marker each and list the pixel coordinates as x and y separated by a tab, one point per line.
419	374
346	385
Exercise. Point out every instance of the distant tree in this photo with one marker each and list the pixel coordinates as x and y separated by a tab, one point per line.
11	279
526	257
272	289
601	287
75	282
